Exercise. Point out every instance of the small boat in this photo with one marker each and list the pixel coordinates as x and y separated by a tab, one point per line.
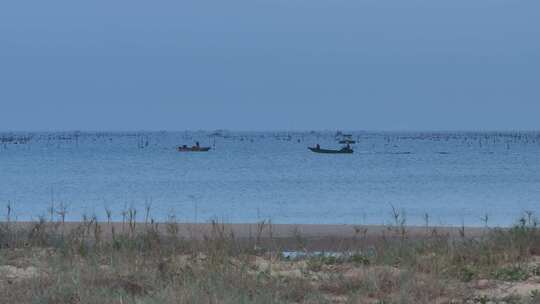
344	150
195	148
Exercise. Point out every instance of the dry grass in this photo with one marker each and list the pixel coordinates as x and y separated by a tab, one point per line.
49	264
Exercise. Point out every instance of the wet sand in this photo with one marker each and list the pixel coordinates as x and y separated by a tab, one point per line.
310	237
279	231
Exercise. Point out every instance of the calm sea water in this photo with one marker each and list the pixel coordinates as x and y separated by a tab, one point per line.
454	177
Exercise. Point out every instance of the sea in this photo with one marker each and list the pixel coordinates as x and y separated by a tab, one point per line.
414	178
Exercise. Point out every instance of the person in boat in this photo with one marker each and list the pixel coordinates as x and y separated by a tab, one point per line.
197	144
318	147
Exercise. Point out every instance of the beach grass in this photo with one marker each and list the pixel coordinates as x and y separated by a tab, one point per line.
49	261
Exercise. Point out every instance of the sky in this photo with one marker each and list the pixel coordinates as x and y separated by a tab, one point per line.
269	65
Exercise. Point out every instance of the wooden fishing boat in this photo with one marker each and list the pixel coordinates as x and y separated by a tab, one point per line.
344	150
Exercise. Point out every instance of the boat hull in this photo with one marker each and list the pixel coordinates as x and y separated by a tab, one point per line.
328	151
193	149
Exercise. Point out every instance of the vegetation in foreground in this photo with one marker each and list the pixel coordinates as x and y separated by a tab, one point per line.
46	264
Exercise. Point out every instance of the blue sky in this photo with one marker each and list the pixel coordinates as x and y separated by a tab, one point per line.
269	64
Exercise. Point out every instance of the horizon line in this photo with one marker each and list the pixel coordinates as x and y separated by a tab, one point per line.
273	130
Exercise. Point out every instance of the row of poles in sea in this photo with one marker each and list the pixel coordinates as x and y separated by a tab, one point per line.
144	140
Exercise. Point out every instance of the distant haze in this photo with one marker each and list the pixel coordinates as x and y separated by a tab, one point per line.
269	64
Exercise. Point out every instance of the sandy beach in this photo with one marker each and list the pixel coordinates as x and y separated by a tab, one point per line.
311	237
134	262
267	229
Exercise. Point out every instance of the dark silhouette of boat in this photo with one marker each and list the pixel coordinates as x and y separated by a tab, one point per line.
344	150
196	148
193	149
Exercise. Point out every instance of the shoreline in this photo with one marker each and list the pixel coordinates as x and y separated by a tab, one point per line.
265	229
